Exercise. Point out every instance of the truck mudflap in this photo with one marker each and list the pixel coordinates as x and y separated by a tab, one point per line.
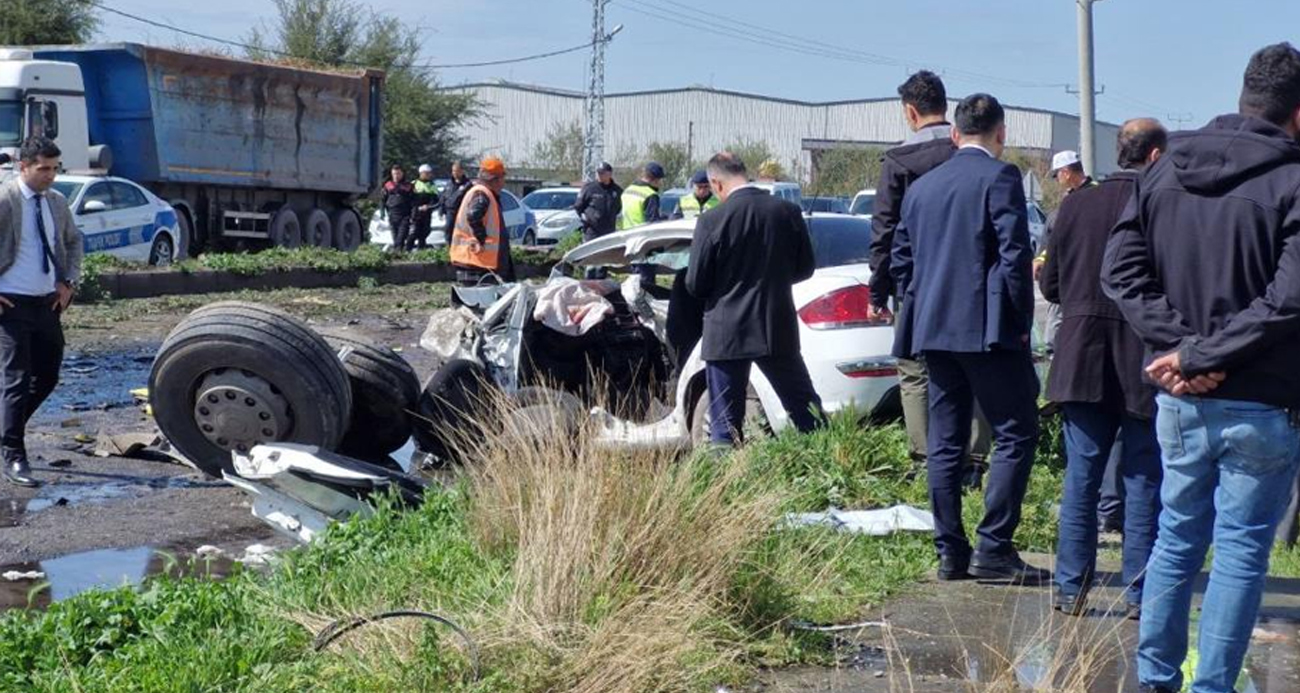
299	490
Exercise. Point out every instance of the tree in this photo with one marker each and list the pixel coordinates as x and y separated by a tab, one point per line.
752	152
675	160
845	171
37	22
560	154
420	120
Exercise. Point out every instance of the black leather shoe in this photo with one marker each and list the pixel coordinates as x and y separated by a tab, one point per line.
1071	604
1110	524
20	474
953	568
1009	568
1133	612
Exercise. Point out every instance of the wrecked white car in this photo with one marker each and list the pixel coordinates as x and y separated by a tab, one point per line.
627	351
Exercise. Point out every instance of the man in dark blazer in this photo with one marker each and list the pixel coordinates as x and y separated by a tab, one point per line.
962	262
746	255
1097	377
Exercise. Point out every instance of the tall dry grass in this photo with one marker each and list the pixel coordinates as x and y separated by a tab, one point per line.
623	561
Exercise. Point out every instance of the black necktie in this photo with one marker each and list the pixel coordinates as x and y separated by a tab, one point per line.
47	259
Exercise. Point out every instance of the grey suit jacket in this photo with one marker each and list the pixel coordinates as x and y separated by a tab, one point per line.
68	247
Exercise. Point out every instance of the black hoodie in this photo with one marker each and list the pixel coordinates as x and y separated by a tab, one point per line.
1206	259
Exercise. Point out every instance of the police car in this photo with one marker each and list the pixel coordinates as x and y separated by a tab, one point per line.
118	217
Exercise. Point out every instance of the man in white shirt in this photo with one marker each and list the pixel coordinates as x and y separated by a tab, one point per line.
40	261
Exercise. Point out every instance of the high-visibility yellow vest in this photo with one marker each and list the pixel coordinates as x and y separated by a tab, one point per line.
690	205
462	252
634	198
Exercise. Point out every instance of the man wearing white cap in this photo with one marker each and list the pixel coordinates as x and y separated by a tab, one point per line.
426	201
1068	171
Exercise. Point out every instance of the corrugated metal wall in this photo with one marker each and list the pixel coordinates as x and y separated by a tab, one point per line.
519	118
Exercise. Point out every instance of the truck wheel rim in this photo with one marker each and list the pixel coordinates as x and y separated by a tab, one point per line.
237	409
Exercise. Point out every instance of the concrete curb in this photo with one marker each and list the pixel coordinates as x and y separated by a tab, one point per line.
122	285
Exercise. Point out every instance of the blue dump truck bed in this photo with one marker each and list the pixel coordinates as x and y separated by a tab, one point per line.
174	117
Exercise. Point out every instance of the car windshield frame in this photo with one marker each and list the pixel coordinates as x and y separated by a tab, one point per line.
15	112
69	189
867	208
834	231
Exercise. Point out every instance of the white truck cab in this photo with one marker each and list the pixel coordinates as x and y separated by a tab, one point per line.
42	97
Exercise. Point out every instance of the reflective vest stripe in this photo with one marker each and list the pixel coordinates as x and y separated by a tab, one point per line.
690	205
462	237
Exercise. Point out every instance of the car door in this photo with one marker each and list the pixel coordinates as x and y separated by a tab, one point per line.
94	217
136	217
513	212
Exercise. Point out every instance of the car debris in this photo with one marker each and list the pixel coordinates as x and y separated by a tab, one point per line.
15	575
300	489
876	523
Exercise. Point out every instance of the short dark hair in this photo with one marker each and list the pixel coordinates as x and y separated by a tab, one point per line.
396	167
1271	87
924	91
728	165
979	114
1137	139
34	147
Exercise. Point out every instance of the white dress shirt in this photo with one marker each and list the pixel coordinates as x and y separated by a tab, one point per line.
27	275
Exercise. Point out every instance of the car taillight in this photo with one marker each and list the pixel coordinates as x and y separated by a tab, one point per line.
847	307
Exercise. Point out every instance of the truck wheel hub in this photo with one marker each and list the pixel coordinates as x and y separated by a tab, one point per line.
237	409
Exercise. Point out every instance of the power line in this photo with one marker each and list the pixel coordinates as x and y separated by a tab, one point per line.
263	49
771	38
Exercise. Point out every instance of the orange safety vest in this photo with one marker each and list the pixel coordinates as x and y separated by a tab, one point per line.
462	252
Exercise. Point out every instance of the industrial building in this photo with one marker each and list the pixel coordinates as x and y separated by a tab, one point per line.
518	117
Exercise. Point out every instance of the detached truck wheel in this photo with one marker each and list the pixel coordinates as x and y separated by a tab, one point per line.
233	375
385	389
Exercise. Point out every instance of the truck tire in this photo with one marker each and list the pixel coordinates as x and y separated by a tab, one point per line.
233	375
285	230
187	244
385	389
449	399
317	230
347	230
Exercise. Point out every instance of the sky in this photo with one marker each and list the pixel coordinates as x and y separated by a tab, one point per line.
1177	60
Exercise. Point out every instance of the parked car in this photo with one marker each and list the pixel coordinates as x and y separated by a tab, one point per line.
1037	225
668	201
864	202
826	203
122	219
521	224
555	216
791	192
653	395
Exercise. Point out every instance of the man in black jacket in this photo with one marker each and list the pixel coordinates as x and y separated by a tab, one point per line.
398	197
745	257
925	107
453	195
1097	376
599	203
1205	265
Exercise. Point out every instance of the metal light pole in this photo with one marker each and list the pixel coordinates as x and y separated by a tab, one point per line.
1087	92
593	136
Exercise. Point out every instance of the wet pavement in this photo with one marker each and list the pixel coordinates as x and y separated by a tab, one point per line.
969	636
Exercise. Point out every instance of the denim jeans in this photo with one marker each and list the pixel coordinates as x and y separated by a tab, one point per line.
1229	470
1090	434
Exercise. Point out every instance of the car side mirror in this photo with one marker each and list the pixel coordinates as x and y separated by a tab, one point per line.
93	207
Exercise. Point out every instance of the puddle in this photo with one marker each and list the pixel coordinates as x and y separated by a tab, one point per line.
67	576
91	382
81	493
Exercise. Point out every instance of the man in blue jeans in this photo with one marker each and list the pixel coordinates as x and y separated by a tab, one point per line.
1097	376
1205	265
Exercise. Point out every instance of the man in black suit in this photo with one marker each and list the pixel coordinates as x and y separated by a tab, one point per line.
962	262
745	256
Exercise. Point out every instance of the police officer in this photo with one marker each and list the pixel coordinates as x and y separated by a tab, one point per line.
700	200
425	201
399	199
641	199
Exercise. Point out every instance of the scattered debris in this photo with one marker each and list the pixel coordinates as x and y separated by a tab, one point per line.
338	628
81	369
15	576
257	554
140	395
876	523
70	423
809	626
209	551
60	464
84	438
125	444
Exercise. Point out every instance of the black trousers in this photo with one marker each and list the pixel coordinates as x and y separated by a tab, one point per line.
31	354
400	223
728	383
421	225
1006	386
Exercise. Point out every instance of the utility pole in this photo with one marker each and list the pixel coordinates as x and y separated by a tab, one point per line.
593	138
1087	93
690	142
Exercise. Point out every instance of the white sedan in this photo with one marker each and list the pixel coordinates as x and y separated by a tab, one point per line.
555	216
122	219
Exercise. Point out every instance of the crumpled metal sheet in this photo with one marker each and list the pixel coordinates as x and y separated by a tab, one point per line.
450	332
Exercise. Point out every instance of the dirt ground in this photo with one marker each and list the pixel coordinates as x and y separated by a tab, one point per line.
90	503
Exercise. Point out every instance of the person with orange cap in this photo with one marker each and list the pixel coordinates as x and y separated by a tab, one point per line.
480	246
